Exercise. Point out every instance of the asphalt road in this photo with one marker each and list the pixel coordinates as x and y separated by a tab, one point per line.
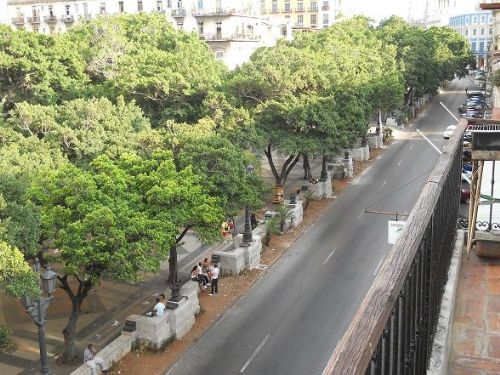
291	320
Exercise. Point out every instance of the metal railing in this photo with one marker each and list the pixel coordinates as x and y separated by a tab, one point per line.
393	330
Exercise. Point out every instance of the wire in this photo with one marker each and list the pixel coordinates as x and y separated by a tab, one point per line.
399	188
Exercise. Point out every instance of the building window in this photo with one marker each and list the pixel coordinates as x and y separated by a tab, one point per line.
140	6
159	6
481	46
466	32
274	6
102	8
287	7
474	31
314	6
219	55
121	9
473	46
169	3
482	19
200	4
474	19
314	19
300	19
482	31
200	28
300	6
67	10
326	20
467	20
284	31
219	30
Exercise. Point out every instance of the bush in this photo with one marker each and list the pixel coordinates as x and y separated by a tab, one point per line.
5	338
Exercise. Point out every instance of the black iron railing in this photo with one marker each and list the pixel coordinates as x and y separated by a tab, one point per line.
393	330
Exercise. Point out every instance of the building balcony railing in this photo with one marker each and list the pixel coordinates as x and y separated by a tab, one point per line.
68	18
229	37
301	9
325	7
34	20
181	12
50	19
298	25
313	9
215	12
18	20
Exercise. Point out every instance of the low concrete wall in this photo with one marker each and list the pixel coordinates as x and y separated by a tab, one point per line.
111	353
441	347
240	258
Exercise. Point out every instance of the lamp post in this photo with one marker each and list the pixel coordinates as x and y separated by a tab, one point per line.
247	233
37	310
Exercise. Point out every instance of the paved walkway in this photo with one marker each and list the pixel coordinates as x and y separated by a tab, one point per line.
476	328
106	308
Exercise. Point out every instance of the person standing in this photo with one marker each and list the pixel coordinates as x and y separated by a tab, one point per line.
91	360
215	279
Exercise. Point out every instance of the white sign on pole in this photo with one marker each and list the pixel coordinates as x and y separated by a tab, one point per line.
395	229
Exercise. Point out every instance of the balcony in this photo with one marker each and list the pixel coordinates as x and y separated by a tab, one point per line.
18	21
300	9
181	12
215	12
50	19
35	20
68	18
325	7
313	9
230	37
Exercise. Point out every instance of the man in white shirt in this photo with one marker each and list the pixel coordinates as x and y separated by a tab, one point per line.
159	309
215	279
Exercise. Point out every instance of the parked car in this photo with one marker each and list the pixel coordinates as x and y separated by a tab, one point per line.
449	131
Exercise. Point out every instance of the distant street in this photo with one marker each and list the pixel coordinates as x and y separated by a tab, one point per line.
291	320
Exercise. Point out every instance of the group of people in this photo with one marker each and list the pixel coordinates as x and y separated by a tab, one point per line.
206	275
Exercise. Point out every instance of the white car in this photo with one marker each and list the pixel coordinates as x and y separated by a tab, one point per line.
449	131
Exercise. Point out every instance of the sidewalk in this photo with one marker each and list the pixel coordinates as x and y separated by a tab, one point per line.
106	308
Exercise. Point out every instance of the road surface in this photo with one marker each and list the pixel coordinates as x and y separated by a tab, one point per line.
291	320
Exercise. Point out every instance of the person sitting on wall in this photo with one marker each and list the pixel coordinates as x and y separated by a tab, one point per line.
90	359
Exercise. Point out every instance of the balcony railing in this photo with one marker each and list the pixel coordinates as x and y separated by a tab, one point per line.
230	37
68	18
34	20
50	19
179	12
215	12
325	7
18	20
313	9
393	330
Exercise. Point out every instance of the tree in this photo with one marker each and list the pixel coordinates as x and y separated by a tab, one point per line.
16	276
37	68
168	73
83	128
118	218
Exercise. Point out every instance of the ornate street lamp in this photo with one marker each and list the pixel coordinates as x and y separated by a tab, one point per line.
247	233
37	310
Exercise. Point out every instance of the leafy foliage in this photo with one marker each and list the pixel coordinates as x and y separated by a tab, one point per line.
15	274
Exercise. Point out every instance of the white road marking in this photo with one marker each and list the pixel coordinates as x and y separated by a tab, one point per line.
255	353
399	163
361	214
329	256
383	183
411	147
378	267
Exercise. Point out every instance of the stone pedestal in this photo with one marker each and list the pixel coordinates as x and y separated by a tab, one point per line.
181	319
236	260
153	331
374	141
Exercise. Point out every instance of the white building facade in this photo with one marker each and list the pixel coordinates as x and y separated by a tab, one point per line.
232	29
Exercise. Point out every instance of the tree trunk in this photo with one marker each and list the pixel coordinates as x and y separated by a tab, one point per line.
324	174
69	331
307	167
172	260
280	178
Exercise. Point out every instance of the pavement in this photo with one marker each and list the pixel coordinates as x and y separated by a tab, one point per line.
476	324
291	320
106	308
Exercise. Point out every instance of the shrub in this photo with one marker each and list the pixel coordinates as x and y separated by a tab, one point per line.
5	338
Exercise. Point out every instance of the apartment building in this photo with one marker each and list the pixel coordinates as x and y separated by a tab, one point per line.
477	28
232	29
304	15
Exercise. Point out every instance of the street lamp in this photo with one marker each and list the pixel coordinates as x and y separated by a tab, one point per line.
37	310
247	233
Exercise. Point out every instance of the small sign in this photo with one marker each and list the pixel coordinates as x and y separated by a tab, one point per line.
395	229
